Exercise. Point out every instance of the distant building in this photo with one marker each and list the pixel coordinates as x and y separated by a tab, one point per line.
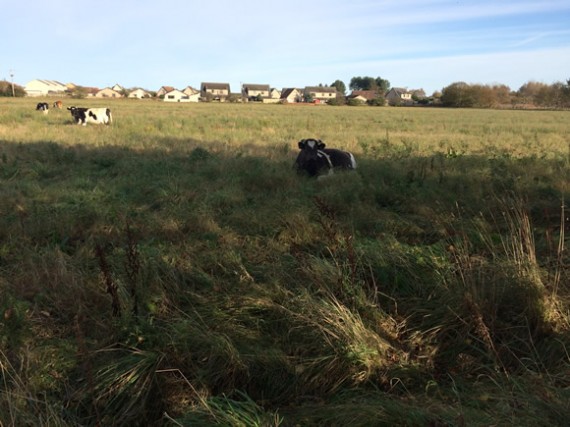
45	88
274	95
192	93
291	95
358	98
215	91
139	93
320	93
255	92
365	95
163	90
118	88
108	93
399	96
179	96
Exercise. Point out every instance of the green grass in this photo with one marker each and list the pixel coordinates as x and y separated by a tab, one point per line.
172	268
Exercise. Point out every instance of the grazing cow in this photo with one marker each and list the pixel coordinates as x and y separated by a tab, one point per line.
43	107
91	115
314	159
57	104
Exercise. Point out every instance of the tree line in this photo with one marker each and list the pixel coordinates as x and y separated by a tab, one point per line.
530	95
463	95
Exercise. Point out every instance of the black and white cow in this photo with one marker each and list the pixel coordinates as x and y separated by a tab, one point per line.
82	115
43	107
314	159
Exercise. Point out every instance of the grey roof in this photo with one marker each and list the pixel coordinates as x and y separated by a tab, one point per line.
247	86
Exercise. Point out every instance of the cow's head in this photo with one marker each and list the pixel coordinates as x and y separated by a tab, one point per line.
312	159
311	144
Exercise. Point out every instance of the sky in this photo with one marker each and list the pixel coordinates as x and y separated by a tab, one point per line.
426	44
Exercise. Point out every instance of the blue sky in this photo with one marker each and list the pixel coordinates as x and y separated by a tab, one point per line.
425	44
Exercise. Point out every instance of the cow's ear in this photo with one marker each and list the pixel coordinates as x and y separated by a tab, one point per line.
320	144
302	143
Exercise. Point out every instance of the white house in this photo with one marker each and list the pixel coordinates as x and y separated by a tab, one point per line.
118	88
274	96
320	93
399	96
176	95
163	90
193	94
291	95
275	93
108	93
254	92
44	88
139	93
215	91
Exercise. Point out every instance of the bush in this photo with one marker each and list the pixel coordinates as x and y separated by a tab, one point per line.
353	102
339	100
6	89
376	102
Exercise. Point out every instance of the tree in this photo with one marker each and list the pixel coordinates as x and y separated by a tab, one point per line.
556	95
377	84
353	102
379	101
458	95
363	83
6	89
79	92
383	85
566	93
340	86
532	92
339	100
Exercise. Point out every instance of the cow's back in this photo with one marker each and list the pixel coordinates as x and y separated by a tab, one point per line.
340	159
99	115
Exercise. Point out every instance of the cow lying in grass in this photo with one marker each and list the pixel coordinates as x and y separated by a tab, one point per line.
43	107
82	116
315	160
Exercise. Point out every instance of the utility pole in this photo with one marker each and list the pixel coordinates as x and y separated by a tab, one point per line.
12	78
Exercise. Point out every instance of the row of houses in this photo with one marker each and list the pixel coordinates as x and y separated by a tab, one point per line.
220	92
41	87
249	93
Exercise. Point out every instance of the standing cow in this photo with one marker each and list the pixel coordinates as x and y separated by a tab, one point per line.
314	159
82	116
43	107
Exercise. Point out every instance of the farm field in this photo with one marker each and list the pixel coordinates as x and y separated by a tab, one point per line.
172	269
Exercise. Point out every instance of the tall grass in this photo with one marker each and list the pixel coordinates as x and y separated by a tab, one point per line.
172	269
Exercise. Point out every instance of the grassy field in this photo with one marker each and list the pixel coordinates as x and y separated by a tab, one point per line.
173	269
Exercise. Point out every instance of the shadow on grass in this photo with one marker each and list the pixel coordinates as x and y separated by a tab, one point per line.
228	256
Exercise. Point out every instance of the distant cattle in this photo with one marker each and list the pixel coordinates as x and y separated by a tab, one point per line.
43	107
314	159
58	104
82	116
